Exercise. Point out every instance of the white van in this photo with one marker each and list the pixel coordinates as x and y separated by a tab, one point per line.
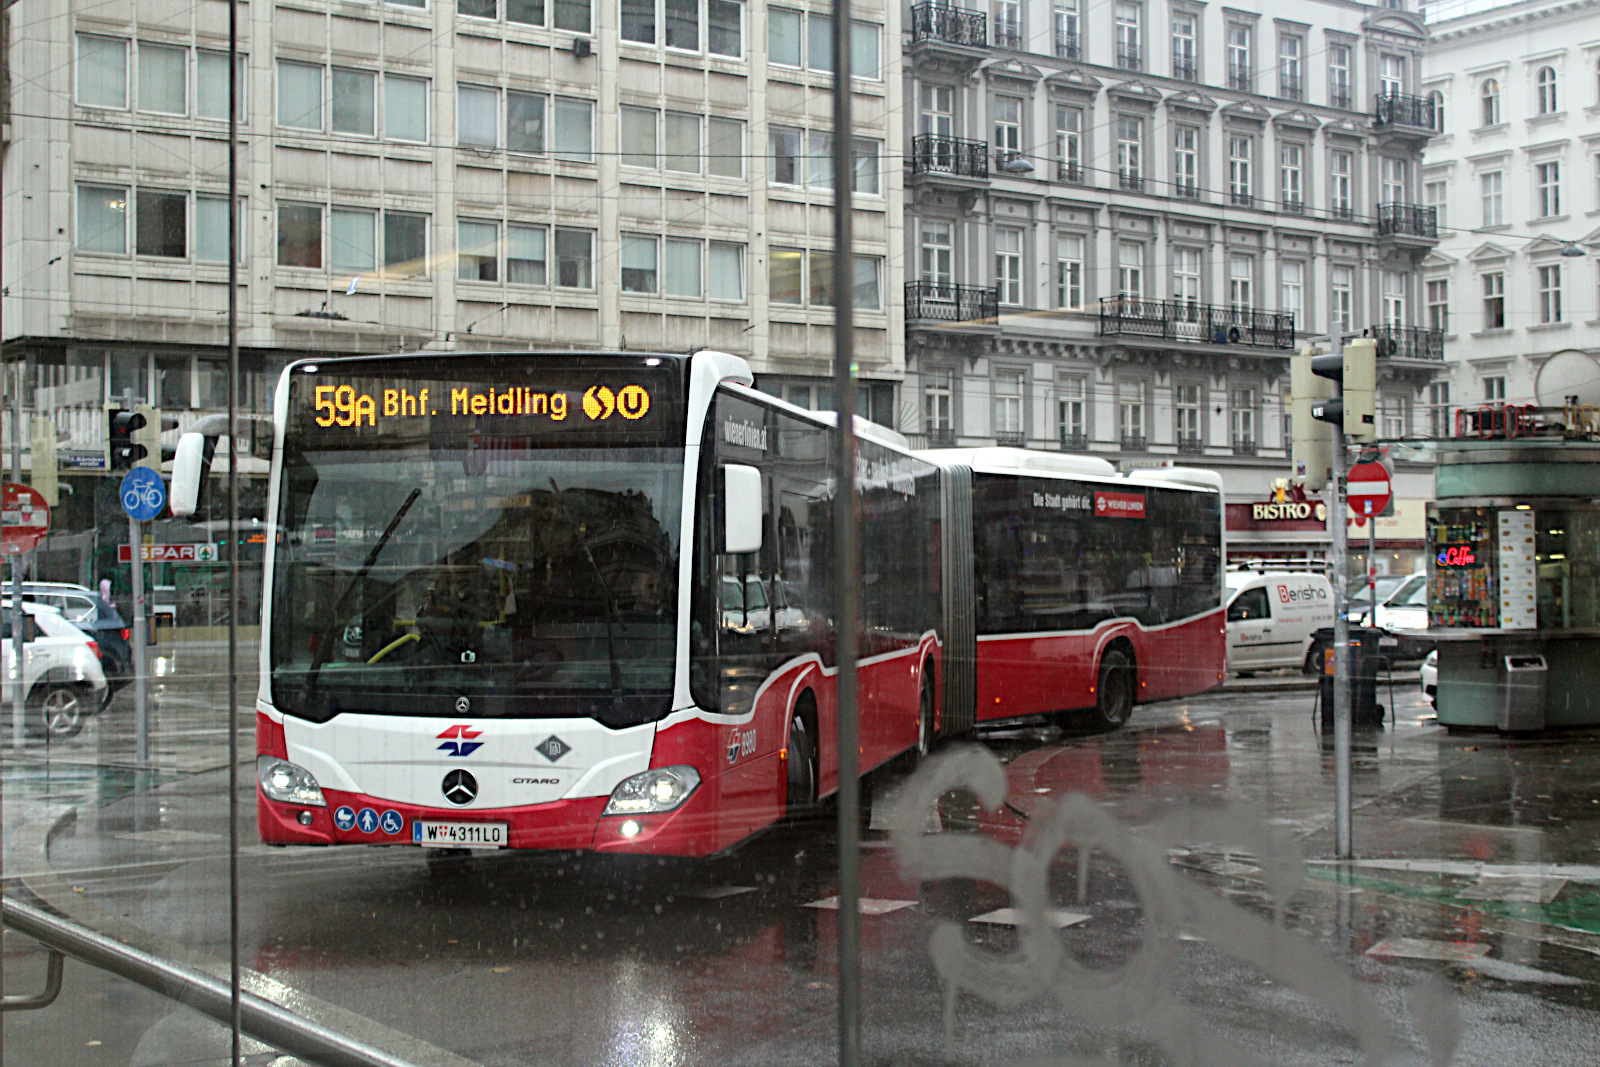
1271	616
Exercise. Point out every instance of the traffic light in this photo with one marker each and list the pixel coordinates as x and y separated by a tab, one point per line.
121	449
42	439
1313	440
1356	371
148	436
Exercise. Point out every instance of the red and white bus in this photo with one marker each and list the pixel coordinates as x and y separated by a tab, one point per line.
584	600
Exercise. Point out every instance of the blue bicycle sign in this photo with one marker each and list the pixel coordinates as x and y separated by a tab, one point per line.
144	494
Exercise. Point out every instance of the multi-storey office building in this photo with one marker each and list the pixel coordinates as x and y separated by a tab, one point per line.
1515	172
1122	217
440	174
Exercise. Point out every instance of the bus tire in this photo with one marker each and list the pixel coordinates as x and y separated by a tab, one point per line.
1114	689
926	714
801	798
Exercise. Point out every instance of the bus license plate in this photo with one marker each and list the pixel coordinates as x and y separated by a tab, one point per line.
460	834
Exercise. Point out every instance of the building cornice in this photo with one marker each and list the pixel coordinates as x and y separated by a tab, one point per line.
1505	18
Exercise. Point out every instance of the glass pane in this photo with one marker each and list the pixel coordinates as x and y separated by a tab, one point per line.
683	24
575	259
639	137
864	50
527	12
477	121
864	164
572	15
819	43
726	263
299	96
211	229
525	255
783	36
638	264
682	268
574	134
785	271
163	79
405	243
161	223
725	29
525	122
682	142
405	108
299	235
355	102
102	72
725	148
869	283
820	278
352	239
819	160
639	21
102	219
481	9
211	85
477	251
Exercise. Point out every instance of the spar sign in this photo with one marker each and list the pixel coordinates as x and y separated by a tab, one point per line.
204	552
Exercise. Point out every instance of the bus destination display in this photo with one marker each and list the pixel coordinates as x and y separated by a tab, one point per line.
344	405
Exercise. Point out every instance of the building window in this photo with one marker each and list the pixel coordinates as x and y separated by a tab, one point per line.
299	235
405	108
1065	15
1185	48
1130	269
1341	304
1186	160
937	264
1489	102
103	219
477	250
1242	418
1392	173
527	255
937	397
1186	275
786	276
1130	41
798	39
1006	16
1008	403
163	79
1545	82
1291	174
574	130
1130	414
1395	421
681	145
1008	266
1494	300
1187	406
1069	143
681	267
102	71
1547	189
937	117
639	263
1438	292
784	145
1494	388
211	229
352	239
1291	292
1341	196
725	270
1392	289
1436	107
1492	187
1549	293
574	258
1339	75
477	115
1241	281
725	148
299	96
676	24
569	15
1391	75
1290	85
797	277
354	102
1437	196
211	84
1071	413
1069	271
1007	126
1240	72
1241	151
1130	152
1439	410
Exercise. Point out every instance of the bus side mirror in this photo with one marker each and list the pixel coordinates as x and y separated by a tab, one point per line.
188	469
741	500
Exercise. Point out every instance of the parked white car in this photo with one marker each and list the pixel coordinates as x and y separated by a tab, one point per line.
61	672
1430	677
1272	615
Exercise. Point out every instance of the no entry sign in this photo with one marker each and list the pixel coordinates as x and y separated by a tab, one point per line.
1369	489
26	518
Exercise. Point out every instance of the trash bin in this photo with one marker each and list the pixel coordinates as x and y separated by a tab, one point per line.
1367	657
1522	690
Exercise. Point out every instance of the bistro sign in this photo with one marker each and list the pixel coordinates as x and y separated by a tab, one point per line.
1289	512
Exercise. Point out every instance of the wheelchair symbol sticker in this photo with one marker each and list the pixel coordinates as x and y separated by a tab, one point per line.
391	822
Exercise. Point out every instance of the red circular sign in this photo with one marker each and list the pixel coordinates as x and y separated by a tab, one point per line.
1369	489
25	517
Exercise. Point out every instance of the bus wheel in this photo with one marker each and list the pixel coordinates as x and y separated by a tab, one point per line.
1114	694
802	794
925	727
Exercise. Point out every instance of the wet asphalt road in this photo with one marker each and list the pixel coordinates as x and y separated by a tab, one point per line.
1169	937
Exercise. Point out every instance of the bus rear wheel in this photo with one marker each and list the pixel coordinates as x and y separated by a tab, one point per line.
925	717
1114	691
802	790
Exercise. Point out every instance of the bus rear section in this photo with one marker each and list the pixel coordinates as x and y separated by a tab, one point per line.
1091	591
503	613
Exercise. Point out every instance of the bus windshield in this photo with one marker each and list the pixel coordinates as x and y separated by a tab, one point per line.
456	563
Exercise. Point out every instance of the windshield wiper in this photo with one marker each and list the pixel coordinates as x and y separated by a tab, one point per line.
320	657
605	590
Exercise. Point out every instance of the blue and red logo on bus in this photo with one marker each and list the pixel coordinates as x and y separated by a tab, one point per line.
458	740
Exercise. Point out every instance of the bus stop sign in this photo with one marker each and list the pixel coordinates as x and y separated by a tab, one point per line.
26	518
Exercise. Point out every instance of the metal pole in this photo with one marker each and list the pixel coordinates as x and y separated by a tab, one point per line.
1372	568
235	997
848	561
1338	516
19	686
141	706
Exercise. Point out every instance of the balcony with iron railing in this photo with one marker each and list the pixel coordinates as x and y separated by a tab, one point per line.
1292	205
1073	442
1182	320
934	438
1130	180
1243	446
944	302
1408	220
1240	78
1133	442
944	23
1401	109
1241	198
1184	69
1066	44
1290	87
1190	445
1409	342
1069	170
1341	210
1013	438
1008	34
933	154
1187	189
1130	57
1339	97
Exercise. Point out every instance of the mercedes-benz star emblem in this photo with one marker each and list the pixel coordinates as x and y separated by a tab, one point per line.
460	788
463	705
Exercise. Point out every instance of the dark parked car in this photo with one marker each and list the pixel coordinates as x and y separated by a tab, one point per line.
91	613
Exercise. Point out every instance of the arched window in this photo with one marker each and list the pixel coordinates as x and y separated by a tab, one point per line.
1490	97
1436	105
1546	79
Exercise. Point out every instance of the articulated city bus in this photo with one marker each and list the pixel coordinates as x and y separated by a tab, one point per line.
584	600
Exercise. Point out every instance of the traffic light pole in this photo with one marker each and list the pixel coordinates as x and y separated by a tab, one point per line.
19	684
1338	520
141	706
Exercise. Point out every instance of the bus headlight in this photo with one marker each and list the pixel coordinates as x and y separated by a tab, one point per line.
288	784
653	792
